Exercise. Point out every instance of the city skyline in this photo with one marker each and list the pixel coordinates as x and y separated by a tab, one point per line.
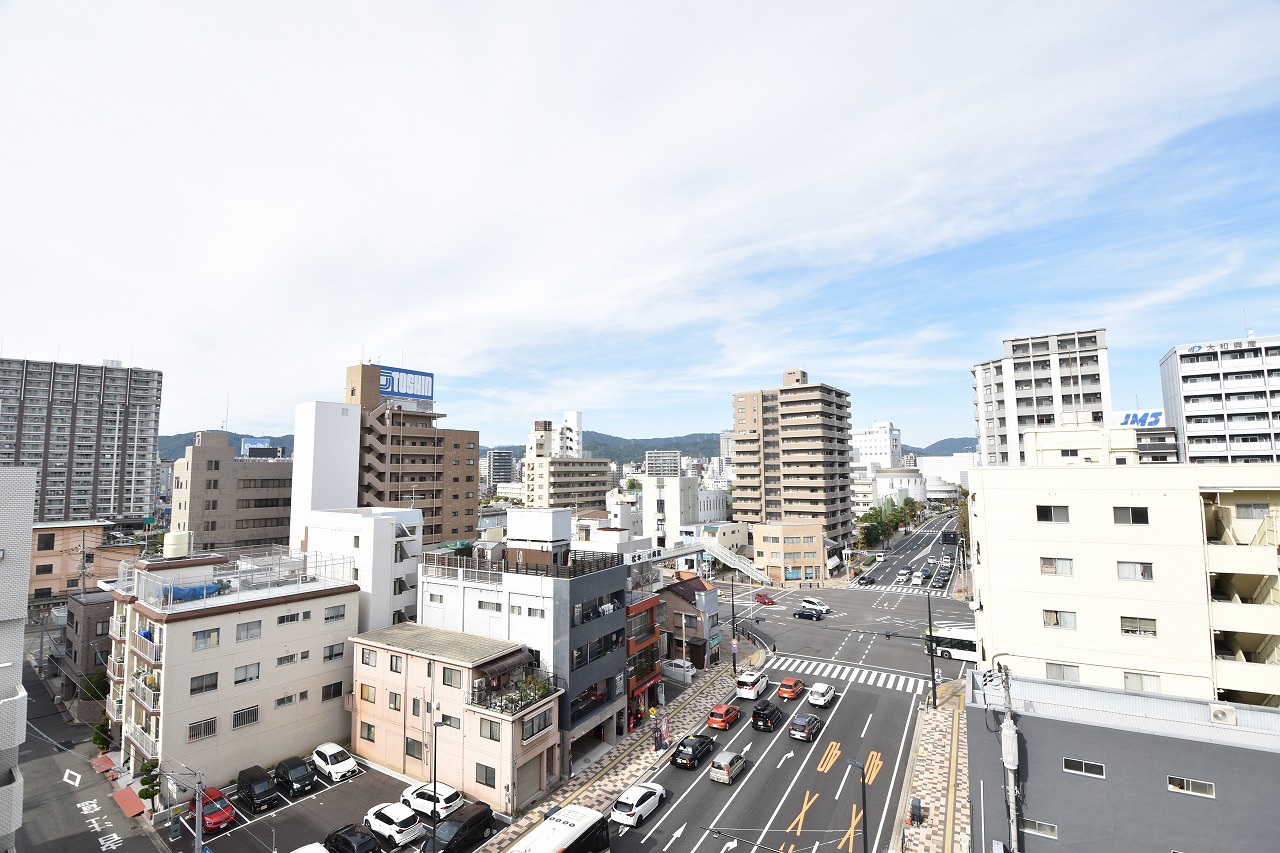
631	212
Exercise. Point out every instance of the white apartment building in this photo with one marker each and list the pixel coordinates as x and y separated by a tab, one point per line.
1223	399
385	546
555	478
667	504
1157	578
566	440
878	447
1040	381
662	463
952	469
17	493
218	666
900	484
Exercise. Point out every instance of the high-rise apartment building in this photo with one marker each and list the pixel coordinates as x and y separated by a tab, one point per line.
230	502
1041	381
662	463
1222	400
791	455
878	447
552	481
497	466
91	433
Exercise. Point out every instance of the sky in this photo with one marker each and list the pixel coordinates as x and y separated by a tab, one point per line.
632	210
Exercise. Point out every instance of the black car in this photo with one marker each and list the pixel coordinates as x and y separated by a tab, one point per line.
939	582
690	751
866	580
806	613
464	825
294	776
766	716
805	727
351	839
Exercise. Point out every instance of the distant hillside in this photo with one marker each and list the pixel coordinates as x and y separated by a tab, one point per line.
945	447
617	449
175	446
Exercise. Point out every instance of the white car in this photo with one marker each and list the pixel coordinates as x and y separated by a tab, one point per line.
932	560
815	604
333	762
902	579
422	799
821	695
752	684
637	803
394	823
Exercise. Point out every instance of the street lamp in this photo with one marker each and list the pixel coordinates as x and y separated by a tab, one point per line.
733	623
862	774
435	794
933	673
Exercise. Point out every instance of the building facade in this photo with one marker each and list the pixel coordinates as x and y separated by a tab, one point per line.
1041	381
67	556
557	481
791	455
692	624
498	466
1223	399
91	432
662	463
791	550
667	504
877	447
17	494
230	502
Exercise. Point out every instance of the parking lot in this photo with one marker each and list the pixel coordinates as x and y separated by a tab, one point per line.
292	823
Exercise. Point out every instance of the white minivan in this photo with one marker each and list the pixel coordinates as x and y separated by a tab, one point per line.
918	579
815	604
752	684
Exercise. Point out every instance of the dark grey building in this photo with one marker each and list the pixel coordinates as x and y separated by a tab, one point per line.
1106	770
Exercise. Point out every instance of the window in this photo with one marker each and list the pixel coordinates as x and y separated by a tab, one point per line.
369	657
304	654
1036	827
486	775
302	695
211	484
451	722
1137	626
287	619
333	652
1055	514
44	541
210	505
202	729
205	639
1191	786
100	628
416	707
1061	566
435	598
249	630
248	672
516	610
244	717
43	592
690	620
1134	571
538	723
397	663
209	526
331	691
452	677
204	683
1061	672
1251	511
285	660
368	693
336	613
1130	514
537	613
413	748
492	606
1060	619
393	701
44	569
285	701
1084	768
490	729
1142	682
212	464
1069	453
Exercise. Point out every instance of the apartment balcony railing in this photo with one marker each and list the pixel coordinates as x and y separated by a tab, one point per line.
115	670
148	648
116	629
141	688
515	691
145	742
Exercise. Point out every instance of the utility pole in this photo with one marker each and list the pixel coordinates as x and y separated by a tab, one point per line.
1009	752
933	673
733	622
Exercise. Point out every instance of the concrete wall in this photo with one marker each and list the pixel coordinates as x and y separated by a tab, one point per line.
17	494
326	461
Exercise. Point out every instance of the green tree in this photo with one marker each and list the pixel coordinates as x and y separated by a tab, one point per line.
149	776
95	685
632	485
102	734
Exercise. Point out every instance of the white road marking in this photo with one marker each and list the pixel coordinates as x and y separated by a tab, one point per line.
865	726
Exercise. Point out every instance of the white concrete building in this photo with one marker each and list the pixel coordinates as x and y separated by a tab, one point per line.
668	503
326	464
662	463
1159	578
953	469
713	504
900	484
1219	398
878	447
1040	381
17	493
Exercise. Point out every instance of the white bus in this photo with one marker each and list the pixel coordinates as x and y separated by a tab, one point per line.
569	829
957	643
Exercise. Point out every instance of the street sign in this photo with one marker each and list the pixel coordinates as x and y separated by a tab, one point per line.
735	645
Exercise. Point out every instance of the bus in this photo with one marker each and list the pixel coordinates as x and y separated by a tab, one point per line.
957	643
568	829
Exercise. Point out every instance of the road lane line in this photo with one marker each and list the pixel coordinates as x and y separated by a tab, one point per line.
865	726
906	730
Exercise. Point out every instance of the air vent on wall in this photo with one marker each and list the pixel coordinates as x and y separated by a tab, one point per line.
1223	715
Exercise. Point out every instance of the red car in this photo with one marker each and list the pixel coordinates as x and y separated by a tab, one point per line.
723	716
216	812
791	688
762	598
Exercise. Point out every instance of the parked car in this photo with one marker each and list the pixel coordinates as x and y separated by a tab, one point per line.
726	767
723	716
394	823
815	604
690	751
807	614
865	580
333	762
351	839
763	598
433	800
805	727
821	695
790	688
294	775
255	789
466	825
766	716
637	803
751	684
216	811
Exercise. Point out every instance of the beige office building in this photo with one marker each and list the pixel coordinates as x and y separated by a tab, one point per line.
791	455
551	481
230	502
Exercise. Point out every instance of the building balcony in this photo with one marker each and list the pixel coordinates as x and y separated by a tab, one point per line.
1207	447
1252	446
116	628
1237	672
1194	428
145	743
1254	403
1237	616
1195	408
1226	559
514	691
115	670
1253	383
148	649
146	690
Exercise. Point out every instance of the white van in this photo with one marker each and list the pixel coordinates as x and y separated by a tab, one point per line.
815	604
752	684
918	579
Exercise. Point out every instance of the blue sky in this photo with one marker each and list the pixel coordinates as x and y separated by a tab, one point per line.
632	211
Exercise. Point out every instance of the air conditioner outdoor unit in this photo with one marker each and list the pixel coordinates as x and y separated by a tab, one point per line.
1223	715
478	684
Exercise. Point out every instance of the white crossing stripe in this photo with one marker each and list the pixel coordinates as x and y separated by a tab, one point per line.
862	676
824	670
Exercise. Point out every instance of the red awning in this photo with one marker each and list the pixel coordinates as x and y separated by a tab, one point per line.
129	801
102	763
643	687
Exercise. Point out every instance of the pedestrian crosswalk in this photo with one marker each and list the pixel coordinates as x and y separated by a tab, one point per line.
818	670
903	590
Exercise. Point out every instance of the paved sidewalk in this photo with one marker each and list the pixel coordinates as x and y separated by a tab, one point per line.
632	757
939	776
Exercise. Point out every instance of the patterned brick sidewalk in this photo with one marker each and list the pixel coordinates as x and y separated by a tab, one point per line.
933	778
